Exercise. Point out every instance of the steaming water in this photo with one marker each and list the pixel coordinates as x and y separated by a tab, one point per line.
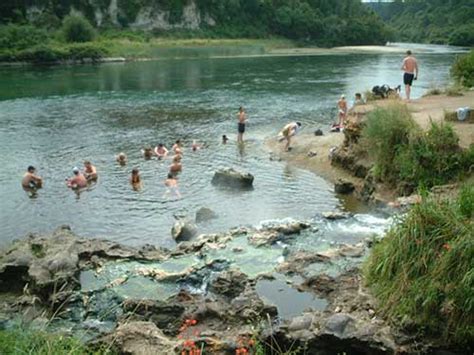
56	117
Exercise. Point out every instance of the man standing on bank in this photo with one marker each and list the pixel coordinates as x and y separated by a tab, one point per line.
410	68
241	125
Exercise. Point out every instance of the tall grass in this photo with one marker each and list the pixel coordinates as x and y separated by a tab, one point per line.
404	154
386	131
423	270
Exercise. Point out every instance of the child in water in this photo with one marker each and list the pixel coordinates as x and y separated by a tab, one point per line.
161	151
121	159
147	153
172	186
224	139
135	179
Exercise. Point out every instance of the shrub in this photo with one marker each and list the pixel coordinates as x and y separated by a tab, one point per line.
78	51
77	29
463	69
386	131
431	158
422	271
41	54
21	37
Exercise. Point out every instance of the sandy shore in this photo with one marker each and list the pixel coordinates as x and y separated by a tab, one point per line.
312	152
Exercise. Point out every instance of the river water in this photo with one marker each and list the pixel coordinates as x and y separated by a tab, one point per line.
55	117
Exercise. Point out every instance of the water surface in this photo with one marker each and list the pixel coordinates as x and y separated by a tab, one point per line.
55	117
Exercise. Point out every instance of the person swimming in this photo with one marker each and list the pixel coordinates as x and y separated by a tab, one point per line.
224	139
172	185
161	151
135	179
31	180
78	181
121	159
195	146
176	167
147	152
90	171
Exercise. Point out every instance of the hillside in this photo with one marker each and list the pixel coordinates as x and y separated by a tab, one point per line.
433	21
322	22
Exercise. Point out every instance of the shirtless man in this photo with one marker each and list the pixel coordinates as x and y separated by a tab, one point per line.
287	132
410	68
176	167
242	119
78	180
161	151
342	106
147	153
90	171
31	180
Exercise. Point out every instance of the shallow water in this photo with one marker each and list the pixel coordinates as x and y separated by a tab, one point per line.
55	117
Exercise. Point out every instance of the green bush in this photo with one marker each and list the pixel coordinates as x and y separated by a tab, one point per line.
21	37
78	51
41	54
77	29
423	273
386	131
463	69
431	158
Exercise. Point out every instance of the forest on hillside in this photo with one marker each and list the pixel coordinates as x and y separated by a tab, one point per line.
322	22
430	21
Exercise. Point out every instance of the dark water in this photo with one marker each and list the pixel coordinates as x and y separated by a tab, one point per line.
55	117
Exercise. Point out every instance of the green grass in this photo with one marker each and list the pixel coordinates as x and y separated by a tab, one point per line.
407	157
21	341
422	272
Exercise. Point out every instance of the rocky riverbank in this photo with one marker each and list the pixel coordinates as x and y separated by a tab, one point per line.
213	292
341	159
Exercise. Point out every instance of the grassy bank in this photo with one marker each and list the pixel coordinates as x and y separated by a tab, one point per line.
422	271
410	158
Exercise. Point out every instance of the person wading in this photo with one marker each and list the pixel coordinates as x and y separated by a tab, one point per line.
410	68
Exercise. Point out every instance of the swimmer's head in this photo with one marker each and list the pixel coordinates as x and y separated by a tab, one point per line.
241	108
122	156
358	95
298	124
178	141
343	96
75	170
170	176
177	158
31	169
408	52
87	162
135	171
160	145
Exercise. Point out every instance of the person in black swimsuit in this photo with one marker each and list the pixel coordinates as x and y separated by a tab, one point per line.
241	125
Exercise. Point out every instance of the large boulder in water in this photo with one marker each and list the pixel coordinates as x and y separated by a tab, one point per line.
232	178
205	214
183	230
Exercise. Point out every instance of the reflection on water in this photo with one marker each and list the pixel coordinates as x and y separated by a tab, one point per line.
55	117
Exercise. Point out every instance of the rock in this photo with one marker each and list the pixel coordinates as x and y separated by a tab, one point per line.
338	324
336	215
167	315
344	187
205	214
140	338
301	323
233	179
311	154
318	132
229	283
183	230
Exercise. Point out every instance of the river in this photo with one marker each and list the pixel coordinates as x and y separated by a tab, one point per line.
55	117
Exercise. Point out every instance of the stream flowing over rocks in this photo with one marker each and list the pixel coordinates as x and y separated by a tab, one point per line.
220	291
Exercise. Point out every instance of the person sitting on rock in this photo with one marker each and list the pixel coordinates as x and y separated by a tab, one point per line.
90	171
176	167
31	180
78	181
287	132
121	159
161	151
135	179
